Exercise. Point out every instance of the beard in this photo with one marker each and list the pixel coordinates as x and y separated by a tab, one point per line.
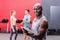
38	13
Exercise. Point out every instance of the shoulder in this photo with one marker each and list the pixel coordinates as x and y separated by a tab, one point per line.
11	17
29	15
44	23
44	19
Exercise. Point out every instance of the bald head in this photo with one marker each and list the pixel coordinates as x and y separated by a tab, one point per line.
37	5
37	9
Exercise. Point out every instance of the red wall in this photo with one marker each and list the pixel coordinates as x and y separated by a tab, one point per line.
18	5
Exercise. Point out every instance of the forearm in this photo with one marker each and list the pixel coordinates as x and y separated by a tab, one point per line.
37	36
34	36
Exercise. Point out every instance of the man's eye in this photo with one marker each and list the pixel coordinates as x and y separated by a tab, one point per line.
34	9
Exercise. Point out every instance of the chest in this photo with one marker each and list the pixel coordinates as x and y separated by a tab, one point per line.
36	24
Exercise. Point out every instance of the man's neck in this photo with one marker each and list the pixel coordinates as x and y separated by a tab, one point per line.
38	17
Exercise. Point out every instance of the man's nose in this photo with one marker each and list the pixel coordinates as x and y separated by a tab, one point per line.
35	10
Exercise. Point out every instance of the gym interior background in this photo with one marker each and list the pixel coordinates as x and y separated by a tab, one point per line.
51	9
19	6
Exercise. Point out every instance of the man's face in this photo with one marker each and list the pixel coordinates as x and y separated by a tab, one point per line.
37	10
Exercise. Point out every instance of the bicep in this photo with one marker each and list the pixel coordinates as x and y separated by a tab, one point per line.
44	26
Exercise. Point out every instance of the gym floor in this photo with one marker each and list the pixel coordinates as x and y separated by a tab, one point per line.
5	36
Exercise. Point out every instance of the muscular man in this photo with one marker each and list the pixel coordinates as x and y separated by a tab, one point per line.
39	25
